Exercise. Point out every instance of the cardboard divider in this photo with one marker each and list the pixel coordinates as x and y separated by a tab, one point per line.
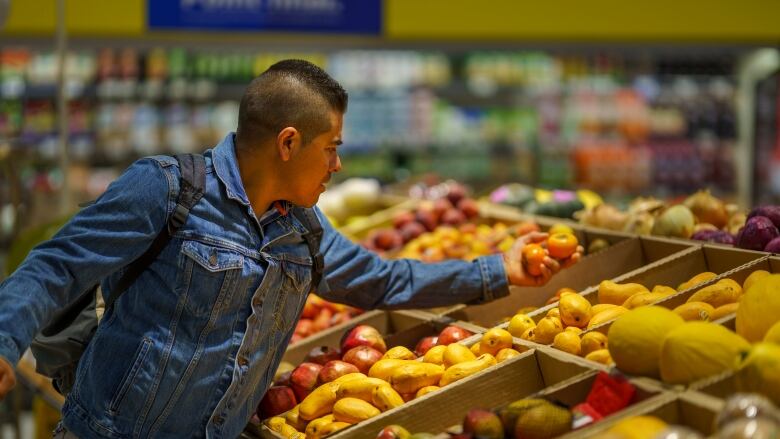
721	386
625	255
513	379
386	322
685	410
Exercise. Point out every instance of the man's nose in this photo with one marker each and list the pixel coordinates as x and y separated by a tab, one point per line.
336	165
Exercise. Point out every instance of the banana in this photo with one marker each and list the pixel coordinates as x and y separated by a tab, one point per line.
724	310
293	417
399	353
385	398
607	315
426	390
319	402
641	299
349	377
333	427
692	311
617	294
383	369
722	293
275	423
411	377
360	389
600	356
353	410
314	429
463	370
695	280
457	353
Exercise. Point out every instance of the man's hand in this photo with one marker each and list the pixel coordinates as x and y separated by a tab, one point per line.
7	378
515	268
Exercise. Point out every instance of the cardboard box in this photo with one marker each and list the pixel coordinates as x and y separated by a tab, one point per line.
686	409
624	256
513	379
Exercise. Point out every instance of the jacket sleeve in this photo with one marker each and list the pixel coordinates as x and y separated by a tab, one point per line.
359	277
97	241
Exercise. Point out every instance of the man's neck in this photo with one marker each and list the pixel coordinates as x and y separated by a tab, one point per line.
259	181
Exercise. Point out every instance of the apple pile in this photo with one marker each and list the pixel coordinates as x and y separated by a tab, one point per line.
363	359
318	314
453	209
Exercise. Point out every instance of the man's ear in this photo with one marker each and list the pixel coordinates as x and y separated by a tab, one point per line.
288	141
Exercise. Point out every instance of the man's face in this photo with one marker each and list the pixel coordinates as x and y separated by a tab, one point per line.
314	164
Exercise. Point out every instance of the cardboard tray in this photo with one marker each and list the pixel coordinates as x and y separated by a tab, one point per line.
624	256
685	409
513	379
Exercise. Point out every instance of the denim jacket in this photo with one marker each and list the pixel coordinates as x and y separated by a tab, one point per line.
190	348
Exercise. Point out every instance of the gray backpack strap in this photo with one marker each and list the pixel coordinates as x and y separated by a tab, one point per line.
313	238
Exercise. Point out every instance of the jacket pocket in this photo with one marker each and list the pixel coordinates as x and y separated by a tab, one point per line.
129	379
209	276
298	274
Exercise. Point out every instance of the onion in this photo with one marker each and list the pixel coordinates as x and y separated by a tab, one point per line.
708	209
676	221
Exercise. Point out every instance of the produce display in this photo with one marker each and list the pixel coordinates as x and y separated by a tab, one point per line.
700	216
557	203
537	417
318	314
337	387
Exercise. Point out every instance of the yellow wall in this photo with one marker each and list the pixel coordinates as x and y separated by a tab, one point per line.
585	20
533	20
83	17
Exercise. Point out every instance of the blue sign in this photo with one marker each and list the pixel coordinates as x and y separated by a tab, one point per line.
330	16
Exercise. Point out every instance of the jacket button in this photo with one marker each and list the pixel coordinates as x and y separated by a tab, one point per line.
213	259
218	420
242	361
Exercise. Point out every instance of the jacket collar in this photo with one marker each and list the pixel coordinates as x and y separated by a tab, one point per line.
226	167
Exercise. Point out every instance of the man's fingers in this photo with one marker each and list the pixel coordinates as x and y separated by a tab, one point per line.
552	265
535	237
7	382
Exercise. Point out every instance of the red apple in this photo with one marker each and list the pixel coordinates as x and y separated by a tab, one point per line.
456	193
277	400
453	334
363	335
411	230
440	206
424	344
334	369
387	239
304	379
284	379
363	357
322	354
322	321
453	217
402	218
393	432
304	327
469	207
427	219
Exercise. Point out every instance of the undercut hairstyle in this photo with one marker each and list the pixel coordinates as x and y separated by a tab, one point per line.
291	93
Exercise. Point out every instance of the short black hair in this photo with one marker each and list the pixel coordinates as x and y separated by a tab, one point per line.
293	93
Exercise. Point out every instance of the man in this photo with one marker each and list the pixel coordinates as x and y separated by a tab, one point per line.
190	348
